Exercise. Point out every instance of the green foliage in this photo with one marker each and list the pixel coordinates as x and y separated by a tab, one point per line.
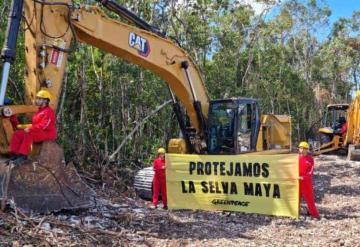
278	60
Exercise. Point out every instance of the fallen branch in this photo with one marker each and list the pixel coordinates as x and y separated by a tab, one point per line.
112	156
84	230
21	216
37	228
90	179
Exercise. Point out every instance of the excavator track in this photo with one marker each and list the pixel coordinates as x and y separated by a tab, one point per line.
143	183
45	183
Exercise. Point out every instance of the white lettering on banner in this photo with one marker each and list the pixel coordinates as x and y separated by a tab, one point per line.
265	184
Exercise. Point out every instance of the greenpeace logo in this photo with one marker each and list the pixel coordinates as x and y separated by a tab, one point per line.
139	43
230	202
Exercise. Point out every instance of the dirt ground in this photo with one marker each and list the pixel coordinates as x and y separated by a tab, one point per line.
125	221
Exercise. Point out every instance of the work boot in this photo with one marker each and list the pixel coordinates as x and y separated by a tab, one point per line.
12	158
165	207
20	160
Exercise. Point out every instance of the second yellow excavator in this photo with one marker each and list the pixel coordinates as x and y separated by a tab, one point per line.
341	129
45	182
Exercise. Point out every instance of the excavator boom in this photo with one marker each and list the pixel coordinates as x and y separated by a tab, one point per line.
42	184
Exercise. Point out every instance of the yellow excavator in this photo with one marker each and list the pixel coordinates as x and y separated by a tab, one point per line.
334	136
44	182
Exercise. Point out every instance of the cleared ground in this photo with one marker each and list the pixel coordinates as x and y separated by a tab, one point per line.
123	221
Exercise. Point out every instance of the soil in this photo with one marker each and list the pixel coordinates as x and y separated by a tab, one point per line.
122	219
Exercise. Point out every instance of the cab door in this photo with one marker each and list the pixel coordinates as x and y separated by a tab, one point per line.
248	119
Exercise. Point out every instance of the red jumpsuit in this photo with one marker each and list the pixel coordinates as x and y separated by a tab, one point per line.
43	129
343	129
306	169
159	182
14	121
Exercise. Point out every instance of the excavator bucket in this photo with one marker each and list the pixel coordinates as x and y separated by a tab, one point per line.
353	153
45	183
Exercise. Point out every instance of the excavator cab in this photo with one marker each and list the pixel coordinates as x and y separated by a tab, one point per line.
333	120
341	131
330	137
233	126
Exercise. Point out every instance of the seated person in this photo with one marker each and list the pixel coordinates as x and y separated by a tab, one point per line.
42	129
341	127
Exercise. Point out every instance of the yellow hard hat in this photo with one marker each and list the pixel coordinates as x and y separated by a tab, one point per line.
44	94
304	145
161	151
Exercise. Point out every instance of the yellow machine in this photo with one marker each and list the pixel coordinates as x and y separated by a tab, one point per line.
230	126
331	137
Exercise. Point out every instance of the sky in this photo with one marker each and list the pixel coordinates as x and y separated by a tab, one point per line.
342	8
339	8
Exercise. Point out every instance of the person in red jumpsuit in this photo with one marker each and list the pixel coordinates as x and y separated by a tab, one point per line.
159	180
343	129
42	128
306	169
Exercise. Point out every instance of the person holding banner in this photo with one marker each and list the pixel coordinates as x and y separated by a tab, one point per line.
306	170
159	180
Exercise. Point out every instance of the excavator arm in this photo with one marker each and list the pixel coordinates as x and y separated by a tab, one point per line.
45	182
51	26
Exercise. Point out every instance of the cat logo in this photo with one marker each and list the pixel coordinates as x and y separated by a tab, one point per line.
140	44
